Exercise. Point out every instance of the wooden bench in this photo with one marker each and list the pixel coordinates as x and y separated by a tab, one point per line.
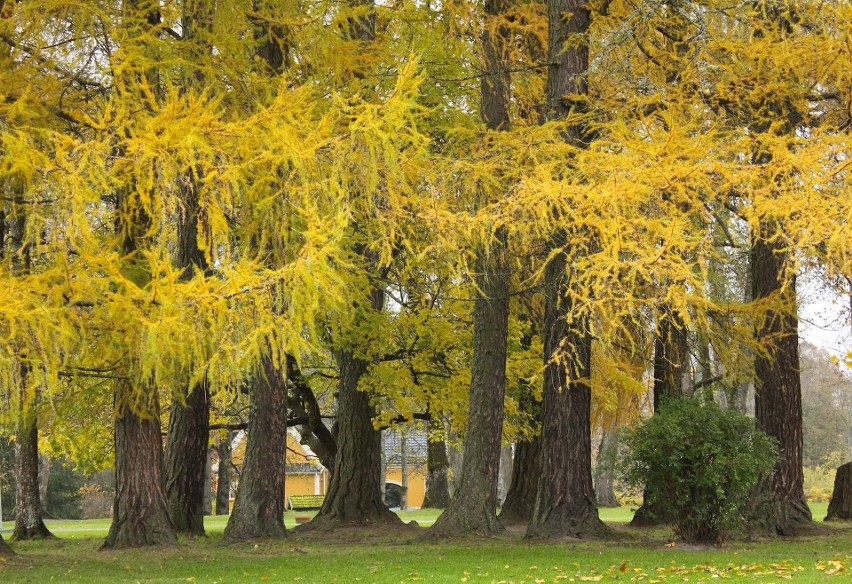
305	502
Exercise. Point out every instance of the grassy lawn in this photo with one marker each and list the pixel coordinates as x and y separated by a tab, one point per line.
637	556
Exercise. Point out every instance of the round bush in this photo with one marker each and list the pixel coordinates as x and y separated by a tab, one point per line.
700	463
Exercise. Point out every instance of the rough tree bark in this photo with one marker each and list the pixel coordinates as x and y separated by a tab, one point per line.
259	507
5	550
223	480
778	390
526	468
355	489
140	513
473	507
28	503
186	460
670	360
437	466
28	511
189	422
565	501
840	506
140	508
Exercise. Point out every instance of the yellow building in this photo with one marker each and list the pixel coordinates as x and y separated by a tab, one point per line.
306	476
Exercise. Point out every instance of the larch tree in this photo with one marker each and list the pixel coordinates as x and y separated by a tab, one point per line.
28	504
378	188
565	501
774	115
354	493
259	506
17	245
140	508
473	507
783	105
189	418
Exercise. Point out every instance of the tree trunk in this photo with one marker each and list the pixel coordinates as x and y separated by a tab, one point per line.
5	550
505	478
778	392
670	357
605	469
28	503
208	483
354	493
565	500
355	490
526	468
473	507
437	483
259	507
189	422
28	521
140	514
314	434
43	484
186	460
223	479
840	506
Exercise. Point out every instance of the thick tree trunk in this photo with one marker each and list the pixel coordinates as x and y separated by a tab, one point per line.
437	483
223	480
605	469
189	422
565	500
526	468
259	507
186	460
473	507
28	511
670	359
778	392
355	491
840	506
526	465
140	514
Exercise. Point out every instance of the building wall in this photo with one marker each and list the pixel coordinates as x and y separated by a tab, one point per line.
306	484
416	484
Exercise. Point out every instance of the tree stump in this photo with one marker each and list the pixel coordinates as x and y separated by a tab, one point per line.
840	506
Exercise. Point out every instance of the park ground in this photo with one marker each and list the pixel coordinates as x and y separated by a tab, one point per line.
647	556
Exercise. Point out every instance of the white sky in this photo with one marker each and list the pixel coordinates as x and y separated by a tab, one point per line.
824	316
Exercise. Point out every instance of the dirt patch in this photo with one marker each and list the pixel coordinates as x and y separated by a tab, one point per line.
344	532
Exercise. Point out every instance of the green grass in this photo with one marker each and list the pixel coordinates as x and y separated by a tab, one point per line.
639	556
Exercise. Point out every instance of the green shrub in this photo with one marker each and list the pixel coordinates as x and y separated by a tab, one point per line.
700	463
